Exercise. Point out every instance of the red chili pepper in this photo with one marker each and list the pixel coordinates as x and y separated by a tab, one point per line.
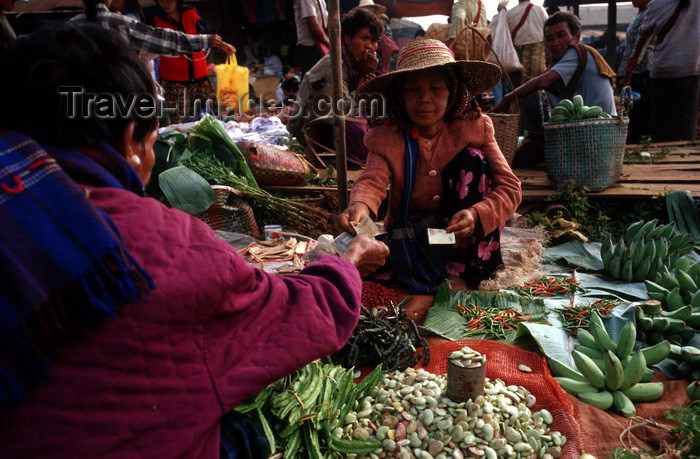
582	313
474	322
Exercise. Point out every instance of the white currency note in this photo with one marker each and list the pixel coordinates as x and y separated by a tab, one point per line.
440	236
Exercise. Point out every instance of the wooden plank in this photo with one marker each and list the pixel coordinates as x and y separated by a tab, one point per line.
620	191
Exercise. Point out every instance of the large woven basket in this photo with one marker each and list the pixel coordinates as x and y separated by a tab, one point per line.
273	166
507	128
230	213
588	152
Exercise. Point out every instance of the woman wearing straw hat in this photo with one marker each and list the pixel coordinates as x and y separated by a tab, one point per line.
440	159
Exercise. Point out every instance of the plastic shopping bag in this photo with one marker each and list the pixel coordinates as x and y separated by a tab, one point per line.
503	48
232	86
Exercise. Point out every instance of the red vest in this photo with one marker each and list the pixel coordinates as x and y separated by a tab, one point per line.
186	67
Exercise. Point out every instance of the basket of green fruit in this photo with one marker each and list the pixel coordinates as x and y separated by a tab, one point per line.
584	145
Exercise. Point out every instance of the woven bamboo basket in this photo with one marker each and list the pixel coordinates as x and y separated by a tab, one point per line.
507	128
588	152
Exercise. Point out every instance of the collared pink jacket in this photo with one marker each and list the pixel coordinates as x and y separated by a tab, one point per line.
155	381
385	166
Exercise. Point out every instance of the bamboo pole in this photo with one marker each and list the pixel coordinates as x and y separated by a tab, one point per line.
338	104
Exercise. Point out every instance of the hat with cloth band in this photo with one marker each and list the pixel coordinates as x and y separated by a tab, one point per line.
378	9
478	76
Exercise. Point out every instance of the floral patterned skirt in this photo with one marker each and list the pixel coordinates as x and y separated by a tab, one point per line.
466	180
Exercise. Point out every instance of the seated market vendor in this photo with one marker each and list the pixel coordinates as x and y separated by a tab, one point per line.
576	69
128	328
360	31
438	154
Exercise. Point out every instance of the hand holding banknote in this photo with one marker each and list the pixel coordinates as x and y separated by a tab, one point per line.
463	223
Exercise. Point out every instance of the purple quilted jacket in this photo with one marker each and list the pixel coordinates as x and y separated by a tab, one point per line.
154	382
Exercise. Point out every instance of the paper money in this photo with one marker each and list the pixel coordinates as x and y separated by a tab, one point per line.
440	236
366	227
343	241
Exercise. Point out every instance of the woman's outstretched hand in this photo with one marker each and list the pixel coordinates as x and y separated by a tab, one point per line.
463	223
355	214
366	254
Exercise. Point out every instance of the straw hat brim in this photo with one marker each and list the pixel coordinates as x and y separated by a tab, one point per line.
377	8
479	76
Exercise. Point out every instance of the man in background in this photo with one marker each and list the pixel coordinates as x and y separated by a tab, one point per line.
465	13
311	18
675	69
526	22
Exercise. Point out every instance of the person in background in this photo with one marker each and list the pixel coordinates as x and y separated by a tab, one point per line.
129	8
576	69
146	41
287	74
526	23
185	78
7	34
639	79
498	88
360	32
437	154
388	49
129	329
675	69
311	19
419	35
251	56
465	13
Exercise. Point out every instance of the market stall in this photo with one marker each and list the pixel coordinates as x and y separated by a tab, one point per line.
586	346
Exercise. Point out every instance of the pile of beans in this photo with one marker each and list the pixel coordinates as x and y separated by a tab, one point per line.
408	413
375	295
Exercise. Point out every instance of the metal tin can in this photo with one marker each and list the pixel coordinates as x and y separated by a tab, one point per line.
272	232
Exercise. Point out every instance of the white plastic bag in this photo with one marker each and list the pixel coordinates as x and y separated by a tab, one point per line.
503	45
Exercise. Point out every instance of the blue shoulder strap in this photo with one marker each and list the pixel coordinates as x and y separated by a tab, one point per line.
411	146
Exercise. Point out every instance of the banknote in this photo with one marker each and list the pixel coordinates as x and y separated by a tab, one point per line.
440	236
366	227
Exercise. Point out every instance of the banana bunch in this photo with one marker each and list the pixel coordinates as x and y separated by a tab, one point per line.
608	374
688	368
689	358
573	109
677	287
644	250
655	324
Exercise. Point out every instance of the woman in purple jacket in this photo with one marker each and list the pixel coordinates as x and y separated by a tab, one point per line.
127	328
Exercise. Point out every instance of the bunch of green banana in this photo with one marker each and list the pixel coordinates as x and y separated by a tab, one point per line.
644	250
573	109
678	286
608	374
689	361
656	325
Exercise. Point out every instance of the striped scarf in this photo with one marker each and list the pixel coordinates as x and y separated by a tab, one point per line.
63	264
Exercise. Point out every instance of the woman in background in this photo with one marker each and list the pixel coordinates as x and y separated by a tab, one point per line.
185	79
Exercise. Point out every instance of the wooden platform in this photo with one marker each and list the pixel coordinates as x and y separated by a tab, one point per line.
678	171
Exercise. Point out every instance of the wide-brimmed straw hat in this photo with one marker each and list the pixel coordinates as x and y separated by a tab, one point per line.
378	9
425	54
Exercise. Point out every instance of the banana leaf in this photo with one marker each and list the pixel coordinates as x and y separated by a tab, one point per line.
445	320
575	254
186	190
683	211
221	145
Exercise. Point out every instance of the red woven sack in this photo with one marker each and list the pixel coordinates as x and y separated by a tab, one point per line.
502	363
273	166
